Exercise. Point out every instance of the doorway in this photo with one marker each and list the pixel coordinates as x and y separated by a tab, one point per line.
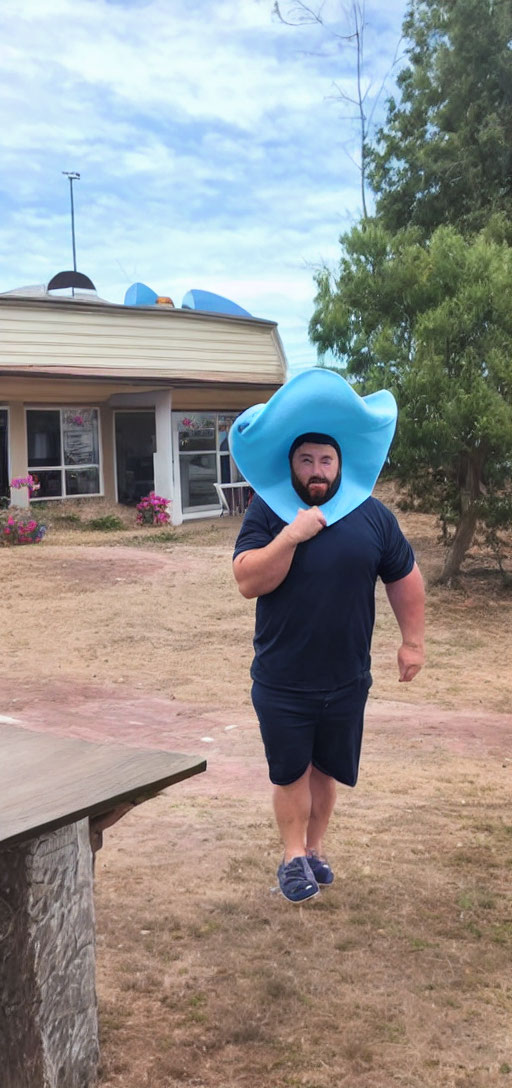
4	455
135	446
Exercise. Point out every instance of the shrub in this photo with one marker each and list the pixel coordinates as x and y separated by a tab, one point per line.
152	510
20	529
67	519
106	524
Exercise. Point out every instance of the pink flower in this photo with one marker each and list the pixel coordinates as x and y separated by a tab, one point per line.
152	510
21	532
22	481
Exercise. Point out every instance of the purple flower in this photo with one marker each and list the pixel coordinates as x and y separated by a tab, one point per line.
22	481
152	510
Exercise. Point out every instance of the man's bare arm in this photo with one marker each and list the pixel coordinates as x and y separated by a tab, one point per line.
407	599
261	570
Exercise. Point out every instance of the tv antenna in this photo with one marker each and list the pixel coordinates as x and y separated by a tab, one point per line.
73	176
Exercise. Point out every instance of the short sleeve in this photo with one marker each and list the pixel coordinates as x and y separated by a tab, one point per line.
397	559
259	527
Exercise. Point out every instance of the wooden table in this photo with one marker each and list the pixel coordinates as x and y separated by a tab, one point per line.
53	789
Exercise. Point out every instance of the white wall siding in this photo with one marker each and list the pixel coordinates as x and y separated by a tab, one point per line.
124	341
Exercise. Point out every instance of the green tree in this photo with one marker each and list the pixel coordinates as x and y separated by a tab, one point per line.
444	154
432	320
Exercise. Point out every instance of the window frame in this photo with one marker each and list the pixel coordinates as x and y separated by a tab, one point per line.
214	414
63	468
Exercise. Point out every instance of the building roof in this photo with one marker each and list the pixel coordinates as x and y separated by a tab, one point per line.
71	336
40	290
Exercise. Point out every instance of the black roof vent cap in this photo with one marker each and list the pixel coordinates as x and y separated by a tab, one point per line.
70	279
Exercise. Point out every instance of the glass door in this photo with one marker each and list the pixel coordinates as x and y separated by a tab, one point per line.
198	461
135	446
4	454
204	458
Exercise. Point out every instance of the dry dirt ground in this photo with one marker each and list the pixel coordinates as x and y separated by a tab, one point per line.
401	973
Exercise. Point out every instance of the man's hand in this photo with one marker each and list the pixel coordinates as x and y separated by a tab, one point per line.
261	570
305	526
411	657
407	599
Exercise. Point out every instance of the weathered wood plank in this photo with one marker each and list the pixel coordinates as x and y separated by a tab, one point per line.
48	781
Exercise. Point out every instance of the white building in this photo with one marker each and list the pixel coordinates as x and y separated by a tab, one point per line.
100	399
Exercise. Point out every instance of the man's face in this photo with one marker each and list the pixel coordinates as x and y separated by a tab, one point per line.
315	472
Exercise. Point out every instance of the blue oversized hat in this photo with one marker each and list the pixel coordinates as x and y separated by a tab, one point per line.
316	400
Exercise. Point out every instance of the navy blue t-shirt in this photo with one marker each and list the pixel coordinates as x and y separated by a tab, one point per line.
313	632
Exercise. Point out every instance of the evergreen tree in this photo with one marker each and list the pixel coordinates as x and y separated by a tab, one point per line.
422	300
444	154
432	321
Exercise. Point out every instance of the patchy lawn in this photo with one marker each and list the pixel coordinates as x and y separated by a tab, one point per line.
401	972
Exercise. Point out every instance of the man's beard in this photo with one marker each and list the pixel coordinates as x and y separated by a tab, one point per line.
303	489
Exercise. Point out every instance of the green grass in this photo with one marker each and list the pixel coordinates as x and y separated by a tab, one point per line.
108	523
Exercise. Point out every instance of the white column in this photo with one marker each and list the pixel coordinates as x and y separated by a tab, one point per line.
20	496
18	453
162	458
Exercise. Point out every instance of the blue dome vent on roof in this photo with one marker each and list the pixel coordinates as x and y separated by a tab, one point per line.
216	304
140	295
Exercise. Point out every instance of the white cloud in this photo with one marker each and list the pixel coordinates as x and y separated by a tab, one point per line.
211	151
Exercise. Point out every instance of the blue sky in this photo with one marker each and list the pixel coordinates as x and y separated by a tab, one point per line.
213	148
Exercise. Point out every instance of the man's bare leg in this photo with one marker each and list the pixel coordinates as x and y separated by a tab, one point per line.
322	790
292	807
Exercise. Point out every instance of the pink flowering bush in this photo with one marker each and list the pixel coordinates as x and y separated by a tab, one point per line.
152	510
20	529
22	481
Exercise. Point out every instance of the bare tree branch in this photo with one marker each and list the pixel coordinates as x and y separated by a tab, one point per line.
301	14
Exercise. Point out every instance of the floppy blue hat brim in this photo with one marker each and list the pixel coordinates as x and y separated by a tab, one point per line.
314	400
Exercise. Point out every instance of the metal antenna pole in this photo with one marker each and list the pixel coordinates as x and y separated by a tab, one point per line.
73	176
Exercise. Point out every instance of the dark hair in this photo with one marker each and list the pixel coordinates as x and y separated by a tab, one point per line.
318	439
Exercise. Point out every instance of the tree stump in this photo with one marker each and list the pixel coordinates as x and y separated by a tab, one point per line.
48	1011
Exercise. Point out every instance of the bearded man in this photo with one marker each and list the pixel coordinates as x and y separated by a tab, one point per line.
314	576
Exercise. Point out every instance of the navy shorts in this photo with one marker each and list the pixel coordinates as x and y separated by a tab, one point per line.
322	728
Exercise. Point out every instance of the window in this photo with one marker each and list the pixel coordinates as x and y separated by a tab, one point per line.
63	452
204	458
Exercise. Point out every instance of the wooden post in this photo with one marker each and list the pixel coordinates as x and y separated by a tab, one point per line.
48	1013
54	791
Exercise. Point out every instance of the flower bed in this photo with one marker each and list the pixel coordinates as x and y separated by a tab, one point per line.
20	529
153	510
